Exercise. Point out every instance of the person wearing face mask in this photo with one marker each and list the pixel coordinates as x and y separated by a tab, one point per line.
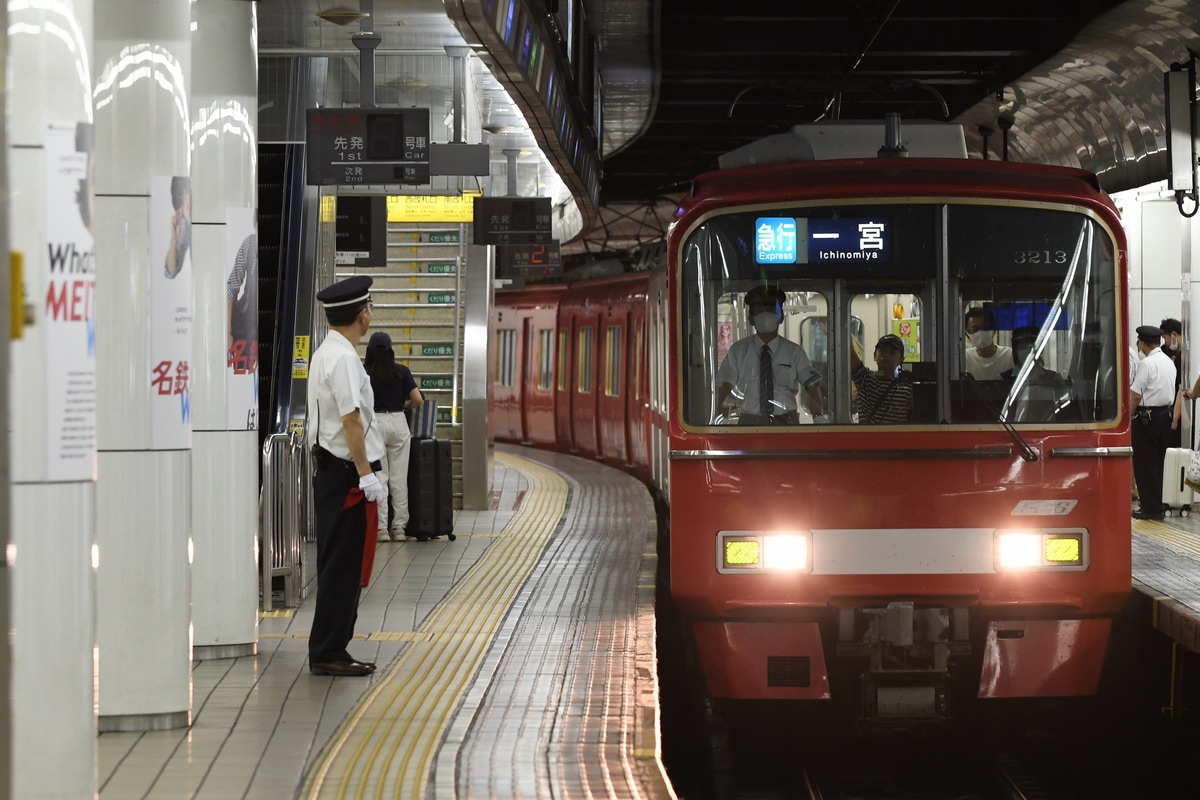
1152	395
985	360
1042	394
1173	340
759	379
883	397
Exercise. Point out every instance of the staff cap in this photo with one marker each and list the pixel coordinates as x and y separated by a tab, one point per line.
346	293
1149	334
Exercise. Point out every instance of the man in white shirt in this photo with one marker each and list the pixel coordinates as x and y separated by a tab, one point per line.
1152	398
761	374
985	360
347	449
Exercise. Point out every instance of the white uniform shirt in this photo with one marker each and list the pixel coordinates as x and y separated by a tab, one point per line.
1155	379
989	369
792	370
338	384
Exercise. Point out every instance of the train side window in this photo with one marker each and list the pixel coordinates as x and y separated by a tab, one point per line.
587	348
506	356
545	358
612	361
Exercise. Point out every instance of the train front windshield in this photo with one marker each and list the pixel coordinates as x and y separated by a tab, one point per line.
906	313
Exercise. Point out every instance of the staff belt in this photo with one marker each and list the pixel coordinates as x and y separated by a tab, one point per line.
326	460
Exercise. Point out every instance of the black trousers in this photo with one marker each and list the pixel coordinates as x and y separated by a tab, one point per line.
341	535
1150	439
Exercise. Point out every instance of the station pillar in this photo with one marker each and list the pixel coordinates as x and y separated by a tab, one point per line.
144	304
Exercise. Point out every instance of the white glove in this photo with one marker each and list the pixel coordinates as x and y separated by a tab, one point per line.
820	419
372	488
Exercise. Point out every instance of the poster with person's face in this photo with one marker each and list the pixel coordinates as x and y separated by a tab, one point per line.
169	380
69	265
241	302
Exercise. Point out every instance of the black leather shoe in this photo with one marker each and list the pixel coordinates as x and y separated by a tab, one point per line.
347	668
1139	514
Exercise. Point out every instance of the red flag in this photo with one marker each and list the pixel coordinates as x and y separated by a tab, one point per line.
368	563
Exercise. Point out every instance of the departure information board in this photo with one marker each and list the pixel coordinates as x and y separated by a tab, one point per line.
360	146
512	220
528	260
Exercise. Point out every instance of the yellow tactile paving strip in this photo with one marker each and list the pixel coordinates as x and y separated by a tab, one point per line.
1188	542
387	744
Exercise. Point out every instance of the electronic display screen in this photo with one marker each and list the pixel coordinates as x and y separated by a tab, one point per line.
804	240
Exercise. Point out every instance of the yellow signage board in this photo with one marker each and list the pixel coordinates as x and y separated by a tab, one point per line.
431	208
300	358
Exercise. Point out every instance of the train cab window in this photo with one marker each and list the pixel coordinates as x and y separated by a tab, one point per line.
888	381
612	361
1036	292
587	356
545	358
829	279
506	356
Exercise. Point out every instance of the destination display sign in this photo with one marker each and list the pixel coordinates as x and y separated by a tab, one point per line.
512	220
798	240
528	260
356	146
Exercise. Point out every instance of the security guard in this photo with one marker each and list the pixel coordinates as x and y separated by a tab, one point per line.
1153	391
346	450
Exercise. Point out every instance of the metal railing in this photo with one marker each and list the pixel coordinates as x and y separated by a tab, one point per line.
285	510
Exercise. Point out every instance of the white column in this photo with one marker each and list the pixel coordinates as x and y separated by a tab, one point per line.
224	103
7	688
144	305
52	419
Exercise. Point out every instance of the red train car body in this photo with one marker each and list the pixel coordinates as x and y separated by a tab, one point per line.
982	544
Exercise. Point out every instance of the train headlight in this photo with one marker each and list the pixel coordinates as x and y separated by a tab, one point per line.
1041	550
764	551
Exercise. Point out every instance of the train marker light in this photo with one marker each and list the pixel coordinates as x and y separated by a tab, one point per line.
760	551
1041	550
1064	550
742	552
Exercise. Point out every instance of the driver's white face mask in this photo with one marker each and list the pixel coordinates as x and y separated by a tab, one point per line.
981	339
766	322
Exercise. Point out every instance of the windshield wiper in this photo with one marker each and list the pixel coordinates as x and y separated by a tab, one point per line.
1027	452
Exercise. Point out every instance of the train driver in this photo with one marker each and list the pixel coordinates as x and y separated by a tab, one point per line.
762	373
985	360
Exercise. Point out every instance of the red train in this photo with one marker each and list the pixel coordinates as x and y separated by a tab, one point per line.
972	541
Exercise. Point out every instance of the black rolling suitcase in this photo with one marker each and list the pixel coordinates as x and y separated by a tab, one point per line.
444	523
422	489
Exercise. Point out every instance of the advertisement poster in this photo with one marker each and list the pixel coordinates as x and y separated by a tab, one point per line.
241	303
171	312
909	331
70	311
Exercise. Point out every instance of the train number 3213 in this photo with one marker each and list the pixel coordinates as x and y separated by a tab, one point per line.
1040	257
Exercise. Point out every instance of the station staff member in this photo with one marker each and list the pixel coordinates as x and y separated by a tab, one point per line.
347	448
762	373
1153	395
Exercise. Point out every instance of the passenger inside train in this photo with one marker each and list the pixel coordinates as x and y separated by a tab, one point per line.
883	395
985	359
1035	393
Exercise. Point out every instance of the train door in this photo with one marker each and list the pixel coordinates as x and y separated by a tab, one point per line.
637	407
527	375
564	383
584	405
613	395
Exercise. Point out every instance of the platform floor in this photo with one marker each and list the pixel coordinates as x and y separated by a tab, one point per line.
516	661
1166	575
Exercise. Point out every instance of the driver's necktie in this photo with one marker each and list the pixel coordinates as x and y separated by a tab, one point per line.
766	381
